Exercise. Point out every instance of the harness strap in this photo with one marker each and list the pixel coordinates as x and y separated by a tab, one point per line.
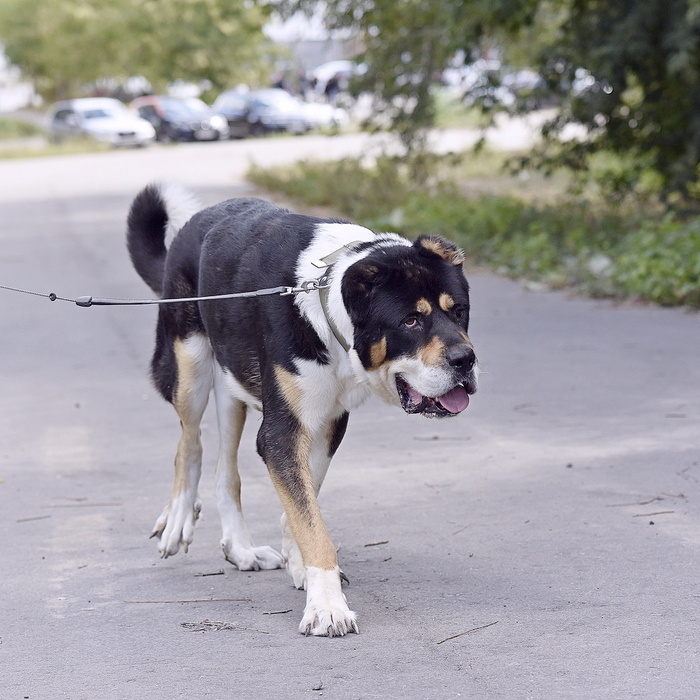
324	287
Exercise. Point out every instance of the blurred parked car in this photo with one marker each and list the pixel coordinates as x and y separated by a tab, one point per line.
261	112
101	118
181	119
322	115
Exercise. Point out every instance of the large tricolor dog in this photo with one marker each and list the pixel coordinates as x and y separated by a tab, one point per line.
391	317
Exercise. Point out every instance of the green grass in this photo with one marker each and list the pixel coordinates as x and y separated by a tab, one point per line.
17	129
75	147
543	234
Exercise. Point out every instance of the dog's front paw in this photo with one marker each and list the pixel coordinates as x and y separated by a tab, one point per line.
252	558
328	621
327	613
175	526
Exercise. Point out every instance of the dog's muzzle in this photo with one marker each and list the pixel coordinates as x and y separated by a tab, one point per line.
461	361
451	403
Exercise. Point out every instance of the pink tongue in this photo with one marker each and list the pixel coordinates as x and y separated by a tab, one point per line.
455	400
414	396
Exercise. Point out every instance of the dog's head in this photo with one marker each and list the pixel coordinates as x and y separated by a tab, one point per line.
409	306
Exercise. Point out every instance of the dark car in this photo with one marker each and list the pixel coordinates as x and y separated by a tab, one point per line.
261	112
181	119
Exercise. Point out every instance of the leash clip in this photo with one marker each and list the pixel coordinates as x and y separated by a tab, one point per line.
312	285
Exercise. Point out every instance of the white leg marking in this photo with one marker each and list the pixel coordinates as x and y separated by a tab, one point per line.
236	542
326	613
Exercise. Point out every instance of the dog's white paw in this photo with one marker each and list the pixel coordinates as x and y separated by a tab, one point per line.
252	558
327	613
328	621
175	526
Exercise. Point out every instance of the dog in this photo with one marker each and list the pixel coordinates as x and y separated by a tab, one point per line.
382	314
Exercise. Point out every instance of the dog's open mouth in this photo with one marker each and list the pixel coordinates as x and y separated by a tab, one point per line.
449	404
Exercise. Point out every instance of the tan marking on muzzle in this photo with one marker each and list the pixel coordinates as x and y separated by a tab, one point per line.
466	339
433	353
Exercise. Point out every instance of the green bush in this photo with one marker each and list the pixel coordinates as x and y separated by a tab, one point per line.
596	248
662	263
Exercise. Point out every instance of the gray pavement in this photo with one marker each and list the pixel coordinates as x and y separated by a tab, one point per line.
542	545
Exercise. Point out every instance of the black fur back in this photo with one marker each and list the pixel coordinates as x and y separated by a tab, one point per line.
145	237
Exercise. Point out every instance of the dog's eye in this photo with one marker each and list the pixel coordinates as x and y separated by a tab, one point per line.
459	313
410	322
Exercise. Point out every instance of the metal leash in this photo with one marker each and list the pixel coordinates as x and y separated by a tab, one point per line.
85	301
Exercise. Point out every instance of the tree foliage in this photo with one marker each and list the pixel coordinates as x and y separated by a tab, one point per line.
626	71
408	43
629	72
63	44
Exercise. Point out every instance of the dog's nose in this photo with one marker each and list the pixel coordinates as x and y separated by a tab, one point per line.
461	358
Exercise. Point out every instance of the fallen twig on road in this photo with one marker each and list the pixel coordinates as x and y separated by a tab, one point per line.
36	517
210	626
636	503
196	600
461	634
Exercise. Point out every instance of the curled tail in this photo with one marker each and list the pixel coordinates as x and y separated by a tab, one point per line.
155	212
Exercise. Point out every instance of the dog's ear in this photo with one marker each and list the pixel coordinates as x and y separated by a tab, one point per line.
359	283
437	245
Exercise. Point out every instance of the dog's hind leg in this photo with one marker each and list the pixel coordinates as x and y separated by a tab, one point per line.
236	542
175	526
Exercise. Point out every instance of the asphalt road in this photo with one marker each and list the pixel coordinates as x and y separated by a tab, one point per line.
542	545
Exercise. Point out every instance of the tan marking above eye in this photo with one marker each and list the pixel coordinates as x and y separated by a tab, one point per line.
377	353
423	307
446	301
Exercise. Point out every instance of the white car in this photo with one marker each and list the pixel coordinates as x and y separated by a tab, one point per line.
323	115
101	118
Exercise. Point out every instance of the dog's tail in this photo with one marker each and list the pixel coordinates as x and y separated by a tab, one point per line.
159	210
